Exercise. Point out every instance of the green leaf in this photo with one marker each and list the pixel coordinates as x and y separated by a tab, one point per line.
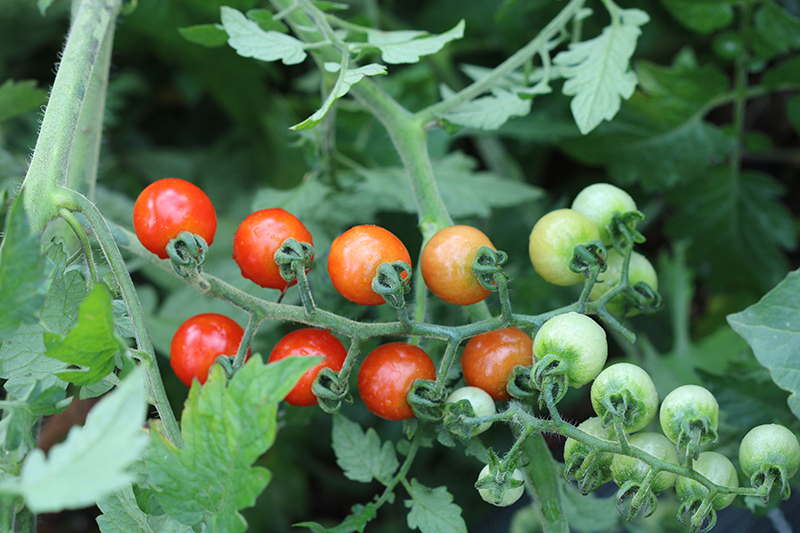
783	75
208	35
22	272
264	19
736	220
122	514
91	462
408	46
22	414
598	70
659	138
22	357
91	344
346	79
772	328
357	520
433	510
702	16
778	29
488	112
226	427
361	455
19	97
249	40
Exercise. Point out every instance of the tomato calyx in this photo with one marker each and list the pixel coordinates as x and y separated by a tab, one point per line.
331	390
694	433
488	267
586	470
549	375
520	384
188	252
702	516
635	498
589	259
426	400
623	232
294	260
392	281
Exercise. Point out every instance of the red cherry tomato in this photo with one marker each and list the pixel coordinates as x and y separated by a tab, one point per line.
446	264
489	359
257	239
309	342
386	376
355	257
169	206
199	341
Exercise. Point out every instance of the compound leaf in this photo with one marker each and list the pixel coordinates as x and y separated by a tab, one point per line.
249	40
226	426
407	46
772	328
736	220
360	454
22	272
598	70
433	510
346	79
91	344
488	112
91	462
19	97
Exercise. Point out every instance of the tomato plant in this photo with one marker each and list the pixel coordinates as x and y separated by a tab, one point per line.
377	115
169	206
309	342
489	359
354	258
199	341
257	239
386	376
446	264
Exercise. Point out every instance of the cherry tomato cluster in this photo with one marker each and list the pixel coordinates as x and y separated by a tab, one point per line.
591	240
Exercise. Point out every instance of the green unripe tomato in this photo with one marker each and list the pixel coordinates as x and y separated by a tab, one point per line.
625	468
770	446
578	340
639	269
718	469
552	240
631	392
594	427
510	496
599	202
688	407
482	404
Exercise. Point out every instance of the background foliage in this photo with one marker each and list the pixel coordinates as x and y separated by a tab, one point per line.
707	145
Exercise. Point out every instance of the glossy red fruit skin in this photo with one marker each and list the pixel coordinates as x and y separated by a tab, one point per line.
309	342
489	358
257	239
199	341
386	376
169	206
354	259
446	264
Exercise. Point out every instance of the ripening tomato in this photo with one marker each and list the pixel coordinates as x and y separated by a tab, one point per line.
599	202
309	342
446	264
169	206
489	359
355	257
199	341
257	239
386	376
552	241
